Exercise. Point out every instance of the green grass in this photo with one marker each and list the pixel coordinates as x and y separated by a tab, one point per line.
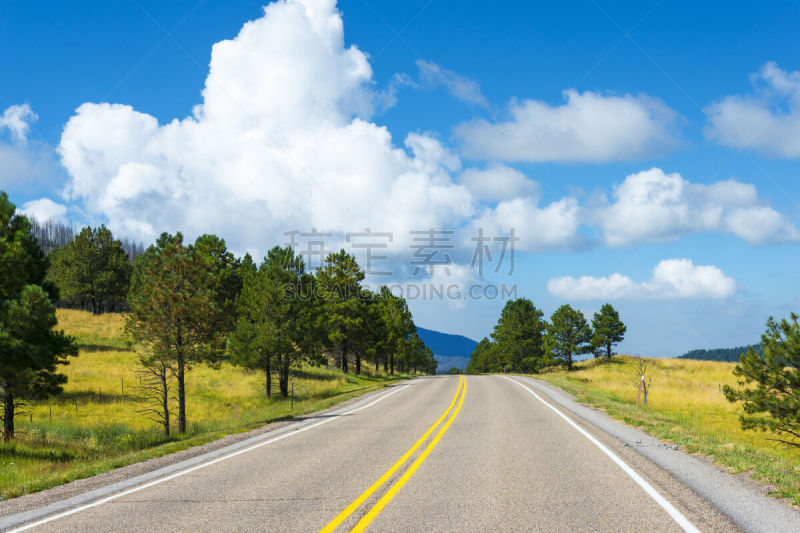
686	407
94	426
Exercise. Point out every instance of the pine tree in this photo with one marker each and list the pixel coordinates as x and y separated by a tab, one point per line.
518	336
770	384
92	270
398	325
568	335
276	328
608	331
30	350
259	309
483	359
174	309
339	282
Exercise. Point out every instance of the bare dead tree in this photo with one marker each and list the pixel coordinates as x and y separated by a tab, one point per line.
51	234
644	382
154	390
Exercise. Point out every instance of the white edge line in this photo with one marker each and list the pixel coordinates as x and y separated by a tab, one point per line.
653	493
198	467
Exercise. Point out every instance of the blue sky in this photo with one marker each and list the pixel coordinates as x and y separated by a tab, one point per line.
666	96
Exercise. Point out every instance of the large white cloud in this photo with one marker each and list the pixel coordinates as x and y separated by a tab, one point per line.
281	141
588	127
45	209
671	278
284	140
654	206
768	121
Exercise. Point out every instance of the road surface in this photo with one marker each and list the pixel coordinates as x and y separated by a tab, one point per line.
446	453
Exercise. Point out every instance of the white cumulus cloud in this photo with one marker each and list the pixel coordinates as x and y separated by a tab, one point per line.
671	278
539	228
44	209
587	127
18	119
499	182
281	141
654	206
767	121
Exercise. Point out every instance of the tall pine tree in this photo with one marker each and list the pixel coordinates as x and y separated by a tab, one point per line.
30	350
608	331
91	271
174	309
568	335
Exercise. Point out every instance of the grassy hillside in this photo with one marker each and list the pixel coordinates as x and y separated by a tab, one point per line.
686	407
95	425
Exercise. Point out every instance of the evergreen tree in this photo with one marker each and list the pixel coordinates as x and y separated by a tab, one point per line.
296	314
92	270
483	359
30	350
518	337
339	283
608	331
255	329
770	384
368	339
173	309
398	325
223	267
568	335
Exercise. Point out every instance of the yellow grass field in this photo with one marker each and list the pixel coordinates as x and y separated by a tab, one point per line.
686	407
96	424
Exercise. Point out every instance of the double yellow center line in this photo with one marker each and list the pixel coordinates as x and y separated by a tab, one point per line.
386	498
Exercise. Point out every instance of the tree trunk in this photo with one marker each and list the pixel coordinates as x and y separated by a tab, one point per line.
344	357
386	363
358	364
392	363
377	363
608	350
8	416
283	380
268	374
569	361
181	395
165	401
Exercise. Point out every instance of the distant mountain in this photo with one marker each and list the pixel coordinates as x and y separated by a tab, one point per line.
730	355
449	350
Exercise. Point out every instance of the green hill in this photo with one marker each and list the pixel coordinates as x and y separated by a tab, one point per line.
730	355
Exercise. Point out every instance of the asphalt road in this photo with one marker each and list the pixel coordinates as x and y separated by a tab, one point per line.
498	459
